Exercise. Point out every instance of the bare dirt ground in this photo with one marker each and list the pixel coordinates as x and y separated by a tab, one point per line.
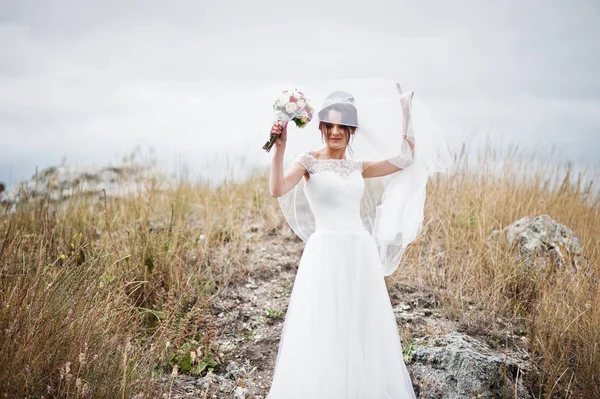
250	312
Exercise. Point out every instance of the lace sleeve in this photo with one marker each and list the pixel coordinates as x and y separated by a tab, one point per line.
306	161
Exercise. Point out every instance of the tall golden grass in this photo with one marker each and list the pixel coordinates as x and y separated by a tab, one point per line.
553	312
98	294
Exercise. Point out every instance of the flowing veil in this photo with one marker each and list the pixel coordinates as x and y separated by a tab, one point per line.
389	120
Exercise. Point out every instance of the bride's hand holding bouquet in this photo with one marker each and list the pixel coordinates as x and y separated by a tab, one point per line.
280	131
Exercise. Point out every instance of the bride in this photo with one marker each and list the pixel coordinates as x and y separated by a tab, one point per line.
340	339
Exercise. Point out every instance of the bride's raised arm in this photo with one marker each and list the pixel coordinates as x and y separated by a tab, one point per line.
389	166
280	183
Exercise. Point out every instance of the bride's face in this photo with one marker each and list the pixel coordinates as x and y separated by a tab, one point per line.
336	135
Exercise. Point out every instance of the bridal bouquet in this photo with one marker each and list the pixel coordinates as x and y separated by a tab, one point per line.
290	106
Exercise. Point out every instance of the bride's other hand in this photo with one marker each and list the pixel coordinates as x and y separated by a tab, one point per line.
280	130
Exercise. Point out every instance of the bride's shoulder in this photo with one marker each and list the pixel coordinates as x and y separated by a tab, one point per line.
310	154
306	159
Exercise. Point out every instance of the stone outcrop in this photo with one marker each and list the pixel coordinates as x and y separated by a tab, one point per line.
541	241
458	366
63	181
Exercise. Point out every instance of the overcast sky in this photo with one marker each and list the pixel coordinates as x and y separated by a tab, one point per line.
88	80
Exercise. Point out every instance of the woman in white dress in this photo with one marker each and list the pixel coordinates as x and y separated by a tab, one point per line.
340	339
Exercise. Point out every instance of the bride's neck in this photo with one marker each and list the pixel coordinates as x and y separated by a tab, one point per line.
334	154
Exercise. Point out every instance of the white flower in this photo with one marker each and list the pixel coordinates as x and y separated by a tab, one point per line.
283	99
291	108
301	103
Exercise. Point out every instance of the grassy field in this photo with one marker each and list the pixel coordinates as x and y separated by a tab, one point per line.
99	296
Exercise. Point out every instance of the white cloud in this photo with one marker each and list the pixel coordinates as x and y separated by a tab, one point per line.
88	80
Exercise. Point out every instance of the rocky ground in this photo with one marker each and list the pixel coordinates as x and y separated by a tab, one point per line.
443	362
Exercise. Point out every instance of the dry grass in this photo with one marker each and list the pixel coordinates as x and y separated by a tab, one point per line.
553	313
97	295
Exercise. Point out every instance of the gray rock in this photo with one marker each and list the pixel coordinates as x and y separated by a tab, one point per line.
240	393
63	181
234	371
458	366
216	383
541	240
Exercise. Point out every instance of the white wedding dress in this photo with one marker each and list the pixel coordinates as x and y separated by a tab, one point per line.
339	339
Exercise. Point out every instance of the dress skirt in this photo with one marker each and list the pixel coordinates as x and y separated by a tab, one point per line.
340	339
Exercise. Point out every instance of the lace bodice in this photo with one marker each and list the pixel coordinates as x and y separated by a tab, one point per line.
335	197
343	167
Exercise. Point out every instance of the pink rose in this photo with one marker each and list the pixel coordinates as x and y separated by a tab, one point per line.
308	111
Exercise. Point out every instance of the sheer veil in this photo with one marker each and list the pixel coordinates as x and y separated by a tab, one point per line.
389	121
